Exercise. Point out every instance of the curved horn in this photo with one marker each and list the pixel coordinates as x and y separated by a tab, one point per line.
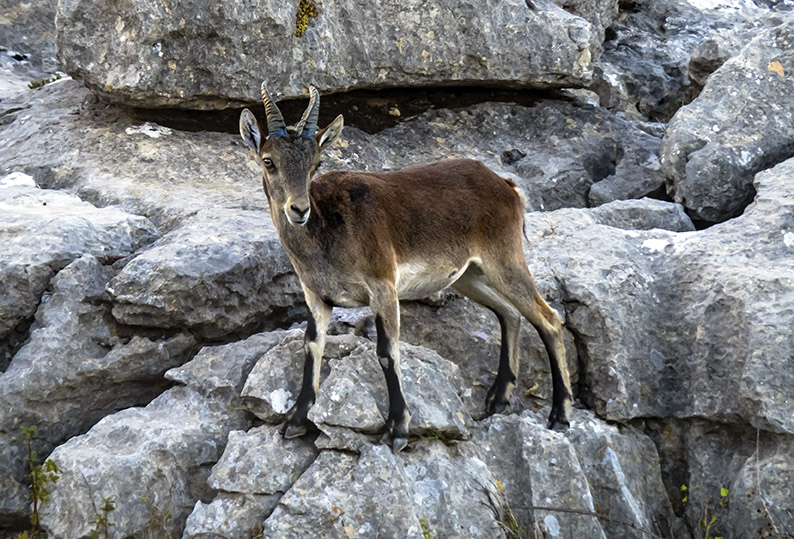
307	127
275	121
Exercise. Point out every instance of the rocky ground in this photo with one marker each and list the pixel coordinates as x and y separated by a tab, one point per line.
151	324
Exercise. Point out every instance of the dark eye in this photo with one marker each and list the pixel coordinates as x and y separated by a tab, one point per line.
268	162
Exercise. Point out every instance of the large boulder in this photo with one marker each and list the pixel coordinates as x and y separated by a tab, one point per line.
41	231
213	56
163	452
77	357
723	355
742	123
222	271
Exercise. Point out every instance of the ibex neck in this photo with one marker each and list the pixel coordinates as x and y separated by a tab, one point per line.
297	240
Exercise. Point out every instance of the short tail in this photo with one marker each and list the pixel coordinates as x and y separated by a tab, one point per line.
523	198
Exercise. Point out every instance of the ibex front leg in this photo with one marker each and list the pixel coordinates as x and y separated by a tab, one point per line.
385	305
297	421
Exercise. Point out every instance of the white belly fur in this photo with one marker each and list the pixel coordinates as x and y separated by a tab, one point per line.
416	280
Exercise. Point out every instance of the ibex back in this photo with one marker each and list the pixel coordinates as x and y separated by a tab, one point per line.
358	238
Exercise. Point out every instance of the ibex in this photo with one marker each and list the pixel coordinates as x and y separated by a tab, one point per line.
360	238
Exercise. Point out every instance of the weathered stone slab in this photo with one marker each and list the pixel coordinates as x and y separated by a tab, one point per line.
164	451
706	310
198	56
742	123
41	231
222	271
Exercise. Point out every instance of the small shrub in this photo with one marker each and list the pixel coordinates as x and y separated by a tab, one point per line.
34	84
40	476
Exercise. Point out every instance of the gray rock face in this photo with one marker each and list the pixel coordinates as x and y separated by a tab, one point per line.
210	57
401	491
163	452
715	357
725	43
256	469
532	467
232	516
222	271
107	158
28	29
261	461
75	357
658	51
740	124
754	467
41	231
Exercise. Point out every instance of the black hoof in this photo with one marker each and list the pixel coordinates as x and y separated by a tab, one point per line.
394	436
558	418
493	406
557	425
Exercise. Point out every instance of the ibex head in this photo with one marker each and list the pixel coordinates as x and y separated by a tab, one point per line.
289	155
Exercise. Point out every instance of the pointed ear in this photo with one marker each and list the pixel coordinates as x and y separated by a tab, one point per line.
249	130
331	133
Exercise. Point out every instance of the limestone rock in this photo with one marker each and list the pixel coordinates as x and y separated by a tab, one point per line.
222	271
41	231
428	488
723	353
353	393
644	214
256	469
742	123
64	138
164	452
214	56
231	516
644	70
78	358
261	461
274	383
725	43
534	467
737	473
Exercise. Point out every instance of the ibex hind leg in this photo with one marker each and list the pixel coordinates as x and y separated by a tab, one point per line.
471	285
516	285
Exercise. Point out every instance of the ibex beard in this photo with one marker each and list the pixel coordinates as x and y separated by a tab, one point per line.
360	238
